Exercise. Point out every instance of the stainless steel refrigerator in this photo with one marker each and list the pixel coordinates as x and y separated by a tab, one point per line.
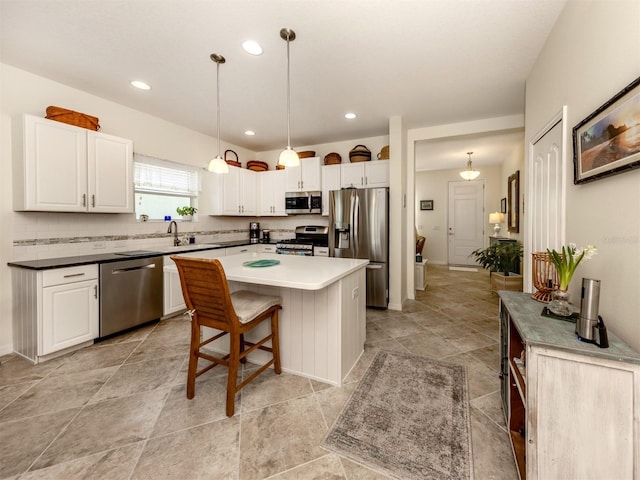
359	228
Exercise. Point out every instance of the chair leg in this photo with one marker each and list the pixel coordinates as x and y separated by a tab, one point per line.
275	342
234	354
193	358
242	359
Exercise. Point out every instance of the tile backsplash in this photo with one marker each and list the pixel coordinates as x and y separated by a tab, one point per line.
38	235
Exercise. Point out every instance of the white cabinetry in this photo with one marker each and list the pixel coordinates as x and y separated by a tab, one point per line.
241	249
266	248
63	168
236	193
54	310
271	185
331	175
304	178
365	174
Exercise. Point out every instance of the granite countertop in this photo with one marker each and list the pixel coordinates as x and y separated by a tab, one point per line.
49	263
542	331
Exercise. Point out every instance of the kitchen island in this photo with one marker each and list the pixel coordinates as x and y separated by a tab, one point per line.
323	316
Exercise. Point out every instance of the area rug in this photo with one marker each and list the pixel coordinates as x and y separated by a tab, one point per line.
408	418
463	269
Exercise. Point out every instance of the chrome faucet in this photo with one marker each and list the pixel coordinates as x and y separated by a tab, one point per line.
176	240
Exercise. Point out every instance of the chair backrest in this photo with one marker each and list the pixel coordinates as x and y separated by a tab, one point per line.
205	290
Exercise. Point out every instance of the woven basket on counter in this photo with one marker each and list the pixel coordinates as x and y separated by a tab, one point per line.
306	154
332	158
73	118
384	153
234	163
359	153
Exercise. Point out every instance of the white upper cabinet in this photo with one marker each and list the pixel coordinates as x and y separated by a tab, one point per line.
63	168
110	173
330	181
304	178
271	185
235	193
365	174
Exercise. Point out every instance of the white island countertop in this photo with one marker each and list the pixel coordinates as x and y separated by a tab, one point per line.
293	271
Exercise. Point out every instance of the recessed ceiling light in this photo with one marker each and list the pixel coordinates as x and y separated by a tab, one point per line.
350	116
140	84
252	47
250	132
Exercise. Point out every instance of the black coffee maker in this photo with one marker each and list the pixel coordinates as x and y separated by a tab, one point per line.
589	325
254	232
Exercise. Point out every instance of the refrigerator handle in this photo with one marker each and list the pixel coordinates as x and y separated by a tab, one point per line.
355	224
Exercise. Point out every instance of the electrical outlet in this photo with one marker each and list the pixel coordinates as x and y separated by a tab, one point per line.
354	293
99	245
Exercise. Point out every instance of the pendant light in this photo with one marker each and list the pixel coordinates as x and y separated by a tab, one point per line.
288	157
469	173
218	165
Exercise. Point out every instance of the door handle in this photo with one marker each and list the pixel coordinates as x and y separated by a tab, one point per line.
374	267
93	200
73	275
84	199
95	291
130	269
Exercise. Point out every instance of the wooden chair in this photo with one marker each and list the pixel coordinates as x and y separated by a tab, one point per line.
206	294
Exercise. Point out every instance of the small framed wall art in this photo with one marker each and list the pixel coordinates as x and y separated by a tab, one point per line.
607	142
503	205
426	204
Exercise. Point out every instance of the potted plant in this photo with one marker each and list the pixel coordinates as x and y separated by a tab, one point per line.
499	259
186	212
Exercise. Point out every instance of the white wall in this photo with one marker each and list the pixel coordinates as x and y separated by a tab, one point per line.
432	224
591	54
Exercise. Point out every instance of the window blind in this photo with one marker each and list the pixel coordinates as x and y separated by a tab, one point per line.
154	175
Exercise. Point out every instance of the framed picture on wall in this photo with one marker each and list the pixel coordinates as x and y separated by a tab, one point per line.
607	142
426	204
503	205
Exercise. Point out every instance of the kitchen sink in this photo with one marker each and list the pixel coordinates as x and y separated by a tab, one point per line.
137	253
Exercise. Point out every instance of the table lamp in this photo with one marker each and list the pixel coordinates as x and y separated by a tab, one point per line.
496	218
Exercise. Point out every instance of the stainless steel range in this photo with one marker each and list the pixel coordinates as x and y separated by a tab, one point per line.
310	240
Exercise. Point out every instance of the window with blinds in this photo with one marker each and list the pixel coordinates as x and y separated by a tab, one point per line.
162	186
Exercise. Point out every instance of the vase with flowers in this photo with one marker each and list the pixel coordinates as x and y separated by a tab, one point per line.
566	263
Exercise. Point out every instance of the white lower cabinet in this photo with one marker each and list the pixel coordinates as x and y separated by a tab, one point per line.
54	309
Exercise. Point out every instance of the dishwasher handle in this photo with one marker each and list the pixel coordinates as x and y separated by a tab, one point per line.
130	269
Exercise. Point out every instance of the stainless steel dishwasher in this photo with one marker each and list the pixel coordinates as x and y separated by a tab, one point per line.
130	293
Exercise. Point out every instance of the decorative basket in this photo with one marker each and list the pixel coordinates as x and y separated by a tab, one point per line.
279	167
384	153
73	118
545	277
359	153
332	158
236	162
257	166
306	154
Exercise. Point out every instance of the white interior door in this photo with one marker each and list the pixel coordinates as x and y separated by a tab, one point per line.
466	221
546	187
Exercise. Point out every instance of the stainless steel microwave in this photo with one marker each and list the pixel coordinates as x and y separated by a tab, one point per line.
301	203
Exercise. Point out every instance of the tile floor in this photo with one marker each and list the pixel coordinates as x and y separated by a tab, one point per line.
118	410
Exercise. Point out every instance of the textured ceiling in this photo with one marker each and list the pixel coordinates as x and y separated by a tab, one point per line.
432	62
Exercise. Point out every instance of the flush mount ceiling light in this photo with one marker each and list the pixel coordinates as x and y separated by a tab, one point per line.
469	173
218	165
350	115
250	133
252	47
140	84
288	157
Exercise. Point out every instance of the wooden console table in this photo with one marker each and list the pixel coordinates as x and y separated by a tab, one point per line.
572	408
